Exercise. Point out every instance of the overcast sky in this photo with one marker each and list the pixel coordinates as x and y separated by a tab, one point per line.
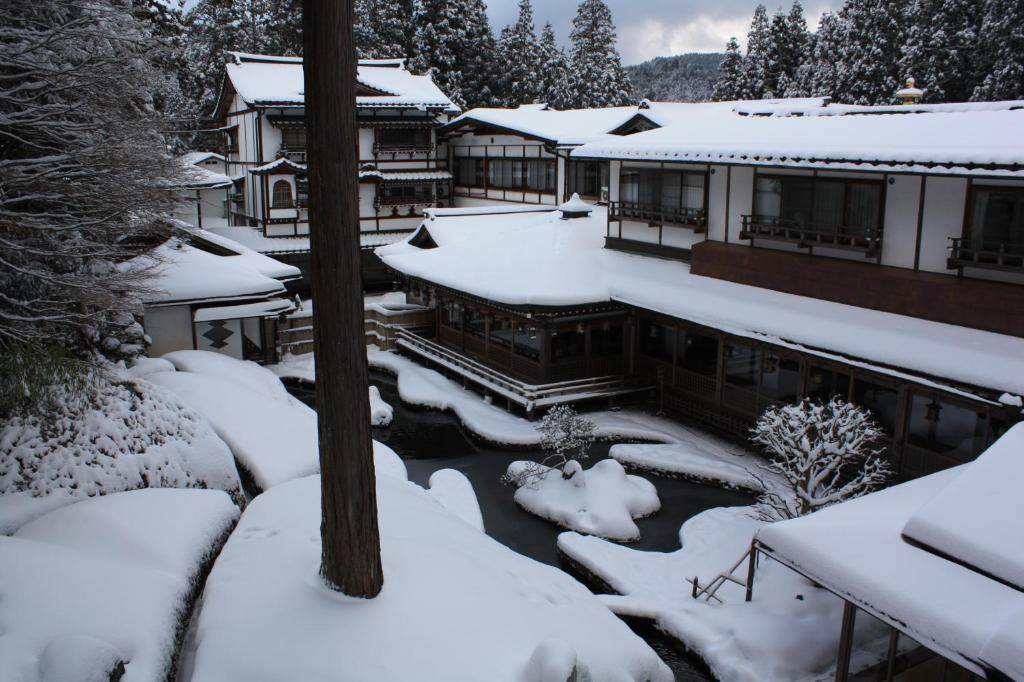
655	28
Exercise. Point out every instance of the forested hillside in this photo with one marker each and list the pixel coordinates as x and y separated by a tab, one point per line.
683	78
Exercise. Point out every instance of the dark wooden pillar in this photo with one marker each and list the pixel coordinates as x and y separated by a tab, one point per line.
845	642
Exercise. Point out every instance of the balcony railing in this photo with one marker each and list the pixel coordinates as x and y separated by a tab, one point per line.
963	253
656	215
411	149
385	202
809	235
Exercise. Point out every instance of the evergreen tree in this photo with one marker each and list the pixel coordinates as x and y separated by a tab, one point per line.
164	24
381	29
596	77
479	57
941	40
730	71
1001	52
869	69
755	81
818	76
454	41
554	65
520	54
795	49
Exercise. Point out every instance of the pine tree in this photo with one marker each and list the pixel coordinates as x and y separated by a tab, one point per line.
554	65
596	76
941	41
454	41
1001	52
381	29
364	29
794	50
727	88
755	80
819	76
520	55
478	57
868	69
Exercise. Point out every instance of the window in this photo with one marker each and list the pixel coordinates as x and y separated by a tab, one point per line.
293	137
404	138
282	195
668	192
881	400
567	345
587	178
399	195
527	341
698	353
997	218
830	205
522	174
302	192
451	316
742	366
946	428
476	323
606	342
780	378
823	384
469	172
540	175
501	332
656	340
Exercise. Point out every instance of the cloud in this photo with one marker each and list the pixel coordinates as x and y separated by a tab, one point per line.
652	37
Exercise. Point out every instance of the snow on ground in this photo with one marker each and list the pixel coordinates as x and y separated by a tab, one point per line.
302	368
125	434
105	579
602	500
381	413
695	459
273	435
456	604
788	632
453	490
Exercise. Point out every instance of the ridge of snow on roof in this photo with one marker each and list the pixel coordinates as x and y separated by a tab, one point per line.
250	257
856	551
976	519
566	127
958	138
535	258
405	175
194	176
270	80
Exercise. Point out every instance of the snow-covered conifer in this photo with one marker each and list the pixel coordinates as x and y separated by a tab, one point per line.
554	66
824	453
596	78
1000	52
520	59
755	79
727	87
868	69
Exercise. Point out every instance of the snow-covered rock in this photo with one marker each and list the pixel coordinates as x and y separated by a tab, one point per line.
456	604
381	413
602	500
103	580
125	434
455	493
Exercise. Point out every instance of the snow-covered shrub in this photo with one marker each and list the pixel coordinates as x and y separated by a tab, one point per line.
118	434
565	436
824	452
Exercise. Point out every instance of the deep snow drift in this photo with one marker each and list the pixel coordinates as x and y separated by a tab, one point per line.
602	500
456	604
105	579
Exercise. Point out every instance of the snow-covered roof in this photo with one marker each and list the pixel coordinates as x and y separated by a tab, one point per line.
185	274
270	308
199	157
254	239
983	138
240	253
281	164
856	550
264	80
200	177
405	176
535	258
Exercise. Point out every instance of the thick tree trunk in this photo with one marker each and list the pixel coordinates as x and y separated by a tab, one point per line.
349	535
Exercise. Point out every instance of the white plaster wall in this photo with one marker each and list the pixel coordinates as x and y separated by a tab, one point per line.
169	327
899	232
717	187
614	168
234	342
741	200
943	218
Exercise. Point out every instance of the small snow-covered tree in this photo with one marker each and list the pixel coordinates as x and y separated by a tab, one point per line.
565	438
824	452
727	87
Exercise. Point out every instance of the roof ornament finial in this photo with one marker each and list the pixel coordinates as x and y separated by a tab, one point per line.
910	93
575	208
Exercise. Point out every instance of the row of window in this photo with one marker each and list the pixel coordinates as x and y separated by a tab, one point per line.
294	137
387	195
668	191
537	175
829	205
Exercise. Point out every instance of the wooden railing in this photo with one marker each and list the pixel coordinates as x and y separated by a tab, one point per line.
382	148
657	215
808	235
963	253
529	396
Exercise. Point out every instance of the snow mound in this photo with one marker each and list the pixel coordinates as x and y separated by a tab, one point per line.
381	413
602	500
691	460
126	434
143	367
105	579
552	661
241	372
456	604
455	493
387	462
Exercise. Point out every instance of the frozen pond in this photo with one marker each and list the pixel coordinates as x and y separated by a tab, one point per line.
429	440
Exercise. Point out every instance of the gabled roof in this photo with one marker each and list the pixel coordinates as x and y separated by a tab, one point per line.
962	139
194	176
280	165
272	81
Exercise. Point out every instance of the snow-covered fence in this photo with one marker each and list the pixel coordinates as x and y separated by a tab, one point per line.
381	321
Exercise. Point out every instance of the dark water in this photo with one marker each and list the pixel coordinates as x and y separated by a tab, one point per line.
428	440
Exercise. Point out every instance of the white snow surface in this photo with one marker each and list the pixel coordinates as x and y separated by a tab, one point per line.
183	273
696	458
454	491
381	413
128	434
539	259
109	575
976	519
244	254
944	605
788	633
273	435
602	500
456	605
957	139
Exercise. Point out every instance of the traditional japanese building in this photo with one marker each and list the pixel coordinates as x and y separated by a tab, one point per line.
401	169
206	189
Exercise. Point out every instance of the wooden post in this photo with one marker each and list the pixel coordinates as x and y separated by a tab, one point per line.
751	567
894	641
845	642
350	539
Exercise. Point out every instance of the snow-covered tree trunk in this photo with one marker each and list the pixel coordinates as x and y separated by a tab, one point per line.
824	452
